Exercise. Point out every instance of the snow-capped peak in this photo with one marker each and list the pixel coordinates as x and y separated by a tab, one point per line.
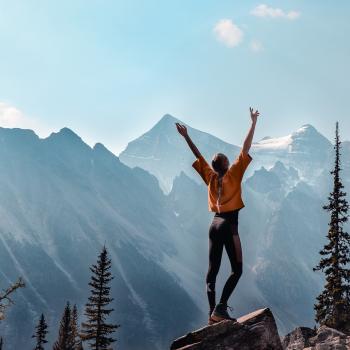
306	130
277	143
166	121
306	134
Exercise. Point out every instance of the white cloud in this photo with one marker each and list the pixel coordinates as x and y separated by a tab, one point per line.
256	46
11	117
266	11
228	33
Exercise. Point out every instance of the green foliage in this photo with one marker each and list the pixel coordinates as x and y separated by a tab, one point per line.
65	339
77	343
96	330
40	334
333	304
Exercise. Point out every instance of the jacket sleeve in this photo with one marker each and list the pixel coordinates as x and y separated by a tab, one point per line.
203	169
239	166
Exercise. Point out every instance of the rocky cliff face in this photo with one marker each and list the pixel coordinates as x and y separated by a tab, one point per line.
324	338
258	331
255	331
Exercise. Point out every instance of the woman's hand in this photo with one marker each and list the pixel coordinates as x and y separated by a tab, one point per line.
254	115
181	129
249	138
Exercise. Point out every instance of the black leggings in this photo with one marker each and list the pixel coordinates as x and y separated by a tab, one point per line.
221	231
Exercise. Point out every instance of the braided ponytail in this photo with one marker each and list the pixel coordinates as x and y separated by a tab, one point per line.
219	192
216	164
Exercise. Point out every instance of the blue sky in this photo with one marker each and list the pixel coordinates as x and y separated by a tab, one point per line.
111	69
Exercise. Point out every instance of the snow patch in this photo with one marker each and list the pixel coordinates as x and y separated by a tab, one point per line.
277	143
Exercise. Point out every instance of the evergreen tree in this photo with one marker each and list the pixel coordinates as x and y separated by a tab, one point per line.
40	334
65	334
96	330
333	306
77	343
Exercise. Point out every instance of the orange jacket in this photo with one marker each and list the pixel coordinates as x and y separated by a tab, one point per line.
231	192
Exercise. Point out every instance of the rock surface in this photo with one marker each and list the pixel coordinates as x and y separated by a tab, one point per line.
254	331
324	338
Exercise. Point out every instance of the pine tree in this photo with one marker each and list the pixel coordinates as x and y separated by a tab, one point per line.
40	334
333	306
77	343
65	334
96	330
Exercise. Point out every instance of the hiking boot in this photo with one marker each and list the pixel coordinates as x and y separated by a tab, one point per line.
220	313
211	320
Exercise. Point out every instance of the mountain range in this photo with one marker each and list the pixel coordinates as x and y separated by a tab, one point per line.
61	200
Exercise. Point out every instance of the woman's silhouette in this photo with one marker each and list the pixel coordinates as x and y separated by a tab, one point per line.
224	198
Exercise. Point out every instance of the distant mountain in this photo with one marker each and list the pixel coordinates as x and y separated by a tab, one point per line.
164	153
60	201
304	140
305	149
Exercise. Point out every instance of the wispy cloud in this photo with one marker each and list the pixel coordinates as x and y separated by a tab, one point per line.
12	117
228	33
267	11
256	46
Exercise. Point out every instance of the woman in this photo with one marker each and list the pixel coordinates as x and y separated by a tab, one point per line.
224	198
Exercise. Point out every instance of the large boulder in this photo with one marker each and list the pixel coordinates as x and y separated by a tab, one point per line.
298	339
254	331
324	338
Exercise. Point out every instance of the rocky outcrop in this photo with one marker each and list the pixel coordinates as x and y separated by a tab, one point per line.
324	338
255	331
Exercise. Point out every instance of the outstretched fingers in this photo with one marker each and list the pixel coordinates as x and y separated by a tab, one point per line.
181	129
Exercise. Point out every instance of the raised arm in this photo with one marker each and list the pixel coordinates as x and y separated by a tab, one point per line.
249	138
183	131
